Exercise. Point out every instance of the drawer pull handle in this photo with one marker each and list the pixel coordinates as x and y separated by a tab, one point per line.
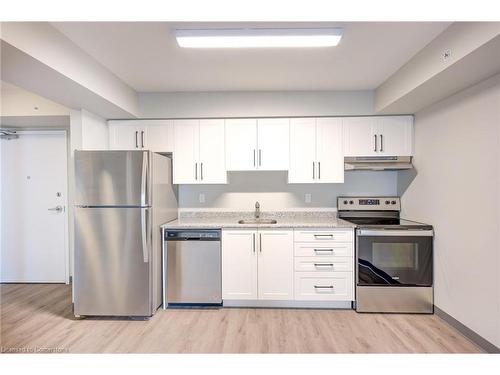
323	286
322	236
323	250
323	265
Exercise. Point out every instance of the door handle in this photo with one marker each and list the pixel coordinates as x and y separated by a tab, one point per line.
253	236
56	208
260	242
375	146
381	142
201	171
319	170
196	171
313	170
260	157
142	138
254	158
136	141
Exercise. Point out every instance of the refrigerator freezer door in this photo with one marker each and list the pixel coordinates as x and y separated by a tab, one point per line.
112	178
112	269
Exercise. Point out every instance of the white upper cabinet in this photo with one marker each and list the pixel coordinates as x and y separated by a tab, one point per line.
154	135
378	136
273	144
241	144
316	154
257	144
302	151
395	135
329	150
198	155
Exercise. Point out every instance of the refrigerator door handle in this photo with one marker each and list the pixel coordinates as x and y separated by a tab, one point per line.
144	179
144	234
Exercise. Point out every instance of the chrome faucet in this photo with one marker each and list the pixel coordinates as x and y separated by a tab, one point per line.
257	210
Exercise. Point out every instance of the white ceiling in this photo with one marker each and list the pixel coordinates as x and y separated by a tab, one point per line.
145	55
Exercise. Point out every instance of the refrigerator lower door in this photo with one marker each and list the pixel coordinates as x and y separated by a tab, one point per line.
113	262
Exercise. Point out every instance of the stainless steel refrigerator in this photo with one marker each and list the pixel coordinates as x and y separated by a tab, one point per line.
121	199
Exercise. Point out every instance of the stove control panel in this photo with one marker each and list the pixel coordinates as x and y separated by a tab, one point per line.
368	204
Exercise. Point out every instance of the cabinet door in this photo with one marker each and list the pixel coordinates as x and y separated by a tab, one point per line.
186	151
241	145
359	136
159	135
273	141
124	135
212	155
275	265
239	264
395	135
302	151
329	150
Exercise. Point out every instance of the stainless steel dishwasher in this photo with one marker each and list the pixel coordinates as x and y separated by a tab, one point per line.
192	272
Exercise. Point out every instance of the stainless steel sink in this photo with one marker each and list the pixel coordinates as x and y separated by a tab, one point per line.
257	221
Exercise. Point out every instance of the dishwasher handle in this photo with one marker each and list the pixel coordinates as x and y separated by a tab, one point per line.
193	235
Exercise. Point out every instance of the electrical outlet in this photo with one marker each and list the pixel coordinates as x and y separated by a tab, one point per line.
201	198
307	198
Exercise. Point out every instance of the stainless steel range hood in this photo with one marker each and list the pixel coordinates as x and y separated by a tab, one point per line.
377	163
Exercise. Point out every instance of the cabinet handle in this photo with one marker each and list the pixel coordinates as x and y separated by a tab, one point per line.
201	171
253	235
323	286
323	265
260	158
381	142
319	170
323	250
142	138
322	236
136	142
313	170
375	146
254	157
260	242
195	171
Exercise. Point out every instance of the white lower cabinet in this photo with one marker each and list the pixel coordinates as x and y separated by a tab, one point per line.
257	264
323	286
324	264
239	264
275	265
288	265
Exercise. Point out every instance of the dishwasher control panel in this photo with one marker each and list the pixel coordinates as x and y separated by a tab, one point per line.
193	235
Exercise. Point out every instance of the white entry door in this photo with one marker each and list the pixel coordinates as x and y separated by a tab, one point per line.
34	208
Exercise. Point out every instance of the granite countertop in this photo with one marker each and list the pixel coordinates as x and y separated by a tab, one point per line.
285	219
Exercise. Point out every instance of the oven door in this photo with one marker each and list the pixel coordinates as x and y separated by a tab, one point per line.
394	257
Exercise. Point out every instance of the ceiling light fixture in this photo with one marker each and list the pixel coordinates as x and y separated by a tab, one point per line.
258	38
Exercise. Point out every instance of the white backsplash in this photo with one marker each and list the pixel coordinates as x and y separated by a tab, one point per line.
274	193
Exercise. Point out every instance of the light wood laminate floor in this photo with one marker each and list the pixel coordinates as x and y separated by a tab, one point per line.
35	316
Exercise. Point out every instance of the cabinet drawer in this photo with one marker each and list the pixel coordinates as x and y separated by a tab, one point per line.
323	235
323	264
325	286
323	249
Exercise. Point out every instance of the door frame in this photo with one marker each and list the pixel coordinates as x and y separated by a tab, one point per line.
63	132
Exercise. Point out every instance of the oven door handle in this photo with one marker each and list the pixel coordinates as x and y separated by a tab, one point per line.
395	233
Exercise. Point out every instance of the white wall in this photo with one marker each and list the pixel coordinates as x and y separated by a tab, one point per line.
90	132
457	189
255	104
274	193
